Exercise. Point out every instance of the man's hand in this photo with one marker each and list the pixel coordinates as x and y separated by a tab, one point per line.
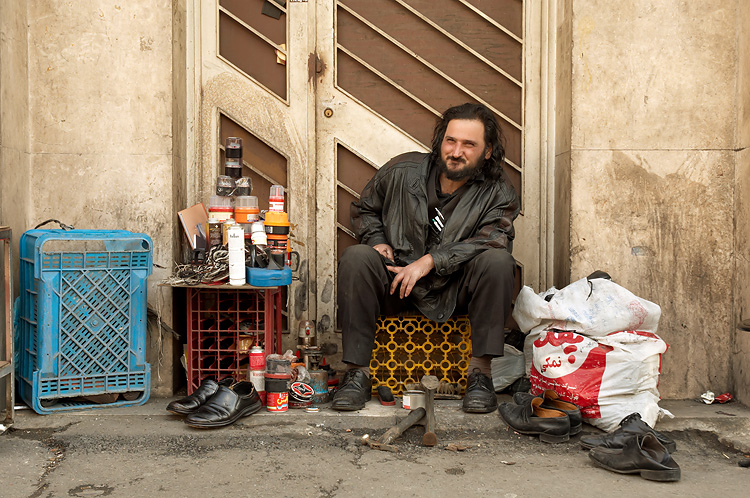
407	276
385	250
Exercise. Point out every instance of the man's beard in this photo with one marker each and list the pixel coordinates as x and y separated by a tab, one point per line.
457	175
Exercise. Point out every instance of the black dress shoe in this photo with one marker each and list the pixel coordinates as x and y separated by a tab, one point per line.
552	426
640	454
228	405
480	394
550	399
189	404
355	391
630	425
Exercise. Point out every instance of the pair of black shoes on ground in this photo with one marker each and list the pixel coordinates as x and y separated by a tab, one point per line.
356	390
545	415
216	404
634	448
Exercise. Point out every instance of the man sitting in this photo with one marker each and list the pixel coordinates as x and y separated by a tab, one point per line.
436	233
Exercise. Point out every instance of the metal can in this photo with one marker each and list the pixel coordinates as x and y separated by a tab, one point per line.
257	359
225	230
413	400
213	229
258	380
277	402
319	384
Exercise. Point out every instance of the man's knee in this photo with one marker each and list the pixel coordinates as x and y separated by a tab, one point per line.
356	258
496	262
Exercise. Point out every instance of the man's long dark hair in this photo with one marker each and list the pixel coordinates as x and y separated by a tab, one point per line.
493	136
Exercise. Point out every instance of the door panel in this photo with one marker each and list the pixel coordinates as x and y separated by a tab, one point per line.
391	68
252	72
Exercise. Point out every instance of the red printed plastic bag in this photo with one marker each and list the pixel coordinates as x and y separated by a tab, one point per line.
608	378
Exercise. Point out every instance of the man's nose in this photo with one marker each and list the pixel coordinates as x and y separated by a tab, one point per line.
457	151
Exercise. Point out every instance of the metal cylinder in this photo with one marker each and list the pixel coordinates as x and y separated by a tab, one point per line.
319	384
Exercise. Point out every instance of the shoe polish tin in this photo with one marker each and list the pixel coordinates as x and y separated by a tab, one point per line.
413	400
277	402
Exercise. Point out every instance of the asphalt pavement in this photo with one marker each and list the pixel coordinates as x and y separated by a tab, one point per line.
145	451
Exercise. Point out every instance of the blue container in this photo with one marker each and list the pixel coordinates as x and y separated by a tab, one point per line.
83	318
262	277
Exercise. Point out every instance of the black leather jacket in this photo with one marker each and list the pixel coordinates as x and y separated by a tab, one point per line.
393	210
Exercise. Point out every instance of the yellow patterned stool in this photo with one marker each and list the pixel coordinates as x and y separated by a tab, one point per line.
410	346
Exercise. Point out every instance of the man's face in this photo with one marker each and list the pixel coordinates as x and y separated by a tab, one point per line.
463	149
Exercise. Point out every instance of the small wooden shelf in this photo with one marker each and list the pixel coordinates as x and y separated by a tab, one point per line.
6	362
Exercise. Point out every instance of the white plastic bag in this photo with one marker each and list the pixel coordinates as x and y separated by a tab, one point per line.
595	343
593	308
508	368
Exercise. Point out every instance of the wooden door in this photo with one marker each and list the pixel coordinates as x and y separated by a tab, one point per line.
387	69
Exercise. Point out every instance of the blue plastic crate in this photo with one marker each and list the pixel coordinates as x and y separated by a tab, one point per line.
83	318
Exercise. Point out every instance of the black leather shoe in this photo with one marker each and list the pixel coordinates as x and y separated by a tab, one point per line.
552	426
228	405
630	425
640	454
480	394
190	404
355	391
550	399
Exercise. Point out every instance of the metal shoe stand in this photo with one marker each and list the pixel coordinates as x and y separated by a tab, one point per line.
7	375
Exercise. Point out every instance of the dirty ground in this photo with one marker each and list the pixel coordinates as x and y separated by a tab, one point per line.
144	451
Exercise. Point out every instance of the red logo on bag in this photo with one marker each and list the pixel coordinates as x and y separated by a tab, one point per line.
571	365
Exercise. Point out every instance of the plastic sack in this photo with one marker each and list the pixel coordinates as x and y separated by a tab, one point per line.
608	378
593	308
594	342
508	368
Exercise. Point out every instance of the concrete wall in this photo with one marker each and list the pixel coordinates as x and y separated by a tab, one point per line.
653	170
87	122
15	189
563	122
741	346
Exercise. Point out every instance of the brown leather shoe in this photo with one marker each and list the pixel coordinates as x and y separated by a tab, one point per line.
552	426
552	400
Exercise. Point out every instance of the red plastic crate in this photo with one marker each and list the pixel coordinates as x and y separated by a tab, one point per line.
223	323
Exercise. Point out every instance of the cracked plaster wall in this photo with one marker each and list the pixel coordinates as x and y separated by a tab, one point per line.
15	189
741	345
653	154
87	129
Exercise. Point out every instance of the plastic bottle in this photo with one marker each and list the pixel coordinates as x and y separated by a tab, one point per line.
233	157
220	207
276	198
243	186
246	209
236	245
225	185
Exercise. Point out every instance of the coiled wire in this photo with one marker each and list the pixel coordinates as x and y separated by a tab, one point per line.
215	268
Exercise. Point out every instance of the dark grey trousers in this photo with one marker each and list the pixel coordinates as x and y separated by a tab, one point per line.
485	294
